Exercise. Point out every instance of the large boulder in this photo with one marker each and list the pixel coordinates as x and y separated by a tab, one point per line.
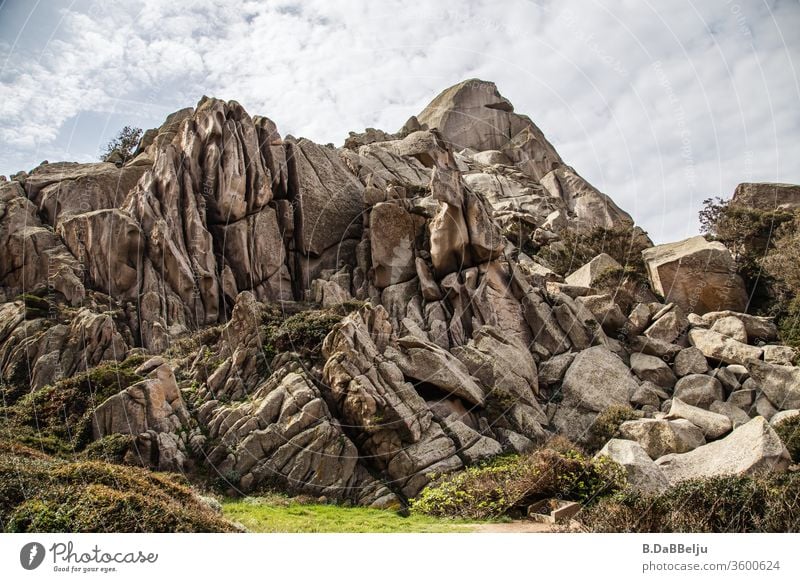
502	362
62	189
642	473
591	272
767	196
731	326
393	244
473	114
428	363
737	415
552	371
712	424
749	449
782	355
110	246
698	275
659	437
605	311
690	361
722	348
34	258
652	369
152	404
669	325
597	379
757	327
781	384
699	390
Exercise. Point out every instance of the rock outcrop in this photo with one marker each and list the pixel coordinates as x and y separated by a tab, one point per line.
349	322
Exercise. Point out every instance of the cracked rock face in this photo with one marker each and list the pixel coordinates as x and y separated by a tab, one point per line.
351	321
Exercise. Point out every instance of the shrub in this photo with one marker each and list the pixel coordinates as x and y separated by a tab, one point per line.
507	485
606	425
751	235
124	143
789	324
732	504
302	332
782	264
41	494
623	244
57	418
111	448
789	431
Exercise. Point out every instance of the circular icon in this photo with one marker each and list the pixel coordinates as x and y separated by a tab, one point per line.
31	555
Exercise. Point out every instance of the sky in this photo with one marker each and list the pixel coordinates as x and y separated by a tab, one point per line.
659	104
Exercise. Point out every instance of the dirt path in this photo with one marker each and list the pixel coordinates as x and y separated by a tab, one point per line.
520	526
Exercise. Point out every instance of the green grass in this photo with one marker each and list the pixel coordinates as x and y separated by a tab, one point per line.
277	514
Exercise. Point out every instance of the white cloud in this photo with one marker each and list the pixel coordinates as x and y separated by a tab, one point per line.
720	107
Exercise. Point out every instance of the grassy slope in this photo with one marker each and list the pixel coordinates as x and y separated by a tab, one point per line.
285	516
40	493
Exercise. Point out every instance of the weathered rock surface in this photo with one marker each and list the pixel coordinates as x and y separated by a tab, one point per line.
737	416
456	339
652	369
588	275
712	424
660	437
749	449
758	328
598	379
781	384
722	348
642	473
767	196
699	390
690	361
698	275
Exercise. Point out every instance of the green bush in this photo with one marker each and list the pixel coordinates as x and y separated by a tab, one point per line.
788	321
111	448
42	494
728	504
623	244
789	431
57	418
507	485
761	242
606	425
302	332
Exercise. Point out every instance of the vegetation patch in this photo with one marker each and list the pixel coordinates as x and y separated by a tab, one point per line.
606	425
729	504
111	448
57	418
279	514
505	486
789	431
35	306
766	247
39	493
302	332
623	244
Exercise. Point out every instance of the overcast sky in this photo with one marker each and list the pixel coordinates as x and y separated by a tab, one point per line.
660	104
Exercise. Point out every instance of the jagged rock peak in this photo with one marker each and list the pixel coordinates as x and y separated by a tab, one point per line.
474	115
